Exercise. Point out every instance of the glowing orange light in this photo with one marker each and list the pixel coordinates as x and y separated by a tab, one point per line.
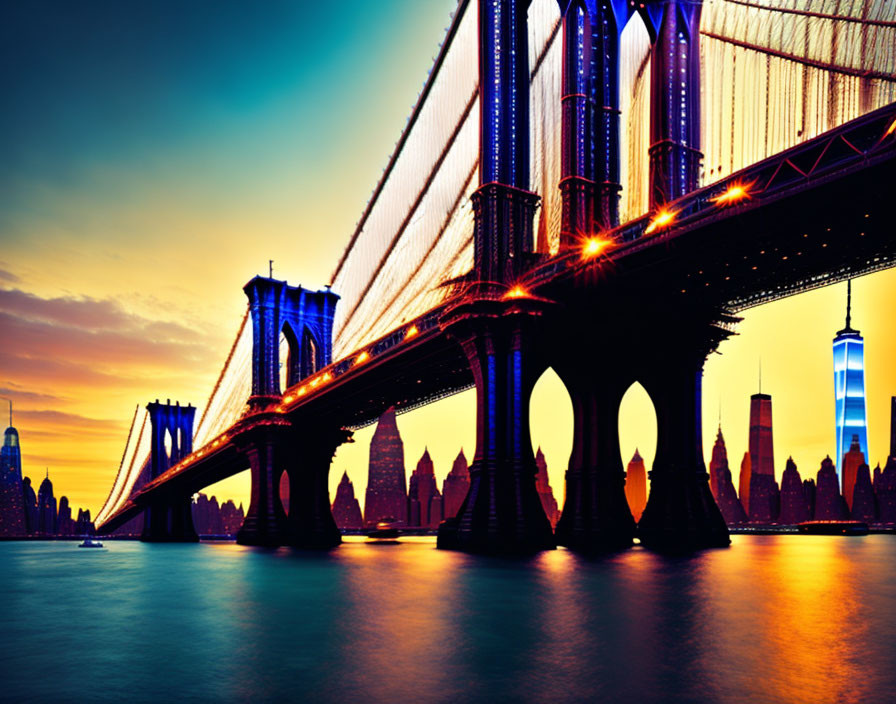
302	391
593	247
661	219
891	129
736	192
315	382
516	292
289	399
411	332
327	376
200	453
223	438
216	443
361	358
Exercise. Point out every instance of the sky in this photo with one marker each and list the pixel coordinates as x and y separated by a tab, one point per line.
157	154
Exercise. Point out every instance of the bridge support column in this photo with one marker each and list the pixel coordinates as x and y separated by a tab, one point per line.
681	513
596	516
265	522
675	100
310	521
502	512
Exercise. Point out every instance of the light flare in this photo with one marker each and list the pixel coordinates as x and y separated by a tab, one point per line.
594	246
517	292
660	220
361	358
412	331
891	129
736	192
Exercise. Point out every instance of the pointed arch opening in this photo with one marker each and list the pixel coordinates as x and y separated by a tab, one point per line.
311	360
551	432
169	442
637	444
289	357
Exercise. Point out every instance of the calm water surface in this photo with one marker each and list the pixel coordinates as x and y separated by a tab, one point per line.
772	619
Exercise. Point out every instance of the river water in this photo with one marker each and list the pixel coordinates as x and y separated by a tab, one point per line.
771	619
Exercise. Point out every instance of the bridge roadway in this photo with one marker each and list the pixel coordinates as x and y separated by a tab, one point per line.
811	216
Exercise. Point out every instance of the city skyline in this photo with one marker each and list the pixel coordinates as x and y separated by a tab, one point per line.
124	254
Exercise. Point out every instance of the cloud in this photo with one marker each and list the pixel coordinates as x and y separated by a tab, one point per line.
19	396
9	277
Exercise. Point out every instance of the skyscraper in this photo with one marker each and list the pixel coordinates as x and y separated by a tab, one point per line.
387	494
794	504
764	497
456	486
46	507
721	485
424	499
636	485
543	487
849	386
346	511
12	506
852	460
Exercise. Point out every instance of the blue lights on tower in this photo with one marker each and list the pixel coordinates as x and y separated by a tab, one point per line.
849	387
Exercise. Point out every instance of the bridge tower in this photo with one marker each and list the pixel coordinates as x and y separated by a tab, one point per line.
589	182
675	156
502	512
306	320
171	521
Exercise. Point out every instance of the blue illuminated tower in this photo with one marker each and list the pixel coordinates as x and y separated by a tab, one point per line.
849	386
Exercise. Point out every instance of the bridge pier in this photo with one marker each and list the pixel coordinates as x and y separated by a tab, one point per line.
310	523
502	512
265	522
170	522
681	513
596	516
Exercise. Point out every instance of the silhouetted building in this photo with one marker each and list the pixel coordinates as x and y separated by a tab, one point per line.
424	499
849	386
636	485
876	477
46	507
545	492
809	491
29	499
346	509
386	496
231	517
743	481
456	486
829	504
84	526
794	504
851	462
210	518
893	426
864	503
722	486
64	523
886	493
12	506
763	491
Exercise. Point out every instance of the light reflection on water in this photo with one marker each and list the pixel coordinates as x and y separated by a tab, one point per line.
774	618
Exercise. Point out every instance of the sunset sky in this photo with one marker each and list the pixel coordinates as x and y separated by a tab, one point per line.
156	155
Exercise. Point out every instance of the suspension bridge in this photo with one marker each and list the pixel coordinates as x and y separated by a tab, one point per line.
573	171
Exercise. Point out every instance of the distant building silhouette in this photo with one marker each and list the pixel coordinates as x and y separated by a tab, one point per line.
886	493
29	498
64	523
795	506
46	507
743	481
12	505
849	386
456	486
636	485
763	498
809	490
386	495
864	503
346	510
545	492
850	463
210	518
424	498
829	504
722	486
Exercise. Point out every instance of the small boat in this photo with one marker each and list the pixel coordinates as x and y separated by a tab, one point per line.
384	530
90	543
833	528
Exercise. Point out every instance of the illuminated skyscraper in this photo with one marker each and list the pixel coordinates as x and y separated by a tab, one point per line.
849	387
